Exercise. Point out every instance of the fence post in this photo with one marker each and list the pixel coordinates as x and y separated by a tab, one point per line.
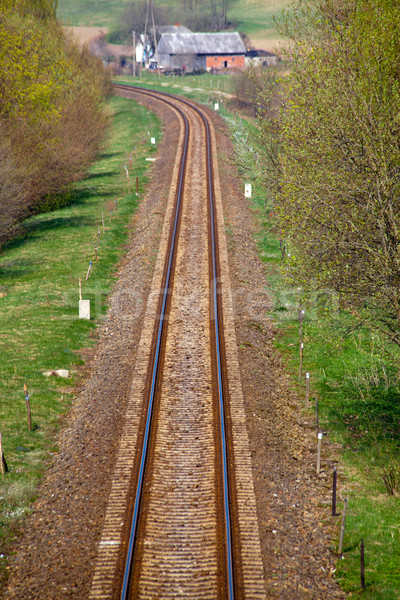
342	527
307	389
334	486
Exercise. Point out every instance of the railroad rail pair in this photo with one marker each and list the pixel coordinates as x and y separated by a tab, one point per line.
234	564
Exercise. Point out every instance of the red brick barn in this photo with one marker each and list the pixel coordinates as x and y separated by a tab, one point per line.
208	51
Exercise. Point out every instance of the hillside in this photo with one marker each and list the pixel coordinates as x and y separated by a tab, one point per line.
255	18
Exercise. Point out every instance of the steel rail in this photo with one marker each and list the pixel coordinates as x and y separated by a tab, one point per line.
217	310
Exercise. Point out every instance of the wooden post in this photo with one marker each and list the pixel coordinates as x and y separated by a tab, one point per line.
2	461
319	453
134	53
342	527
334	487
95	252
127	178
316	415
307	389
88	271
137	185
362	565
28	407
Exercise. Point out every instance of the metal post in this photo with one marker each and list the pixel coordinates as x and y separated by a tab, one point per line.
319	453
362	565
334	486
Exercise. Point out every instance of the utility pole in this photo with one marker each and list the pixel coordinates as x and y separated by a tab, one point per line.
134	54
155	40
144	41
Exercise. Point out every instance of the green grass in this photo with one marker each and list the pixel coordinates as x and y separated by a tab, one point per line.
204	88
354	374
252	17
39	325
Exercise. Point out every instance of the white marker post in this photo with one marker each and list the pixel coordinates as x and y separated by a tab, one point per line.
247	190
216	106
153	140
84	305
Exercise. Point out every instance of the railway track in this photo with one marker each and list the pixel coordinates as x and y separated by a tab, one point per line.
181	519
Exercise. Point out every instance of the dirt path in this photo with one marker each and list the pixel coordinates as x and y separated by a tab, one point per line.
57	554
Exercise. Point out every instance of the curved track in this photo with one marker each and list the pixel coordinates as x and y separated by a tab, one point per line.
181	519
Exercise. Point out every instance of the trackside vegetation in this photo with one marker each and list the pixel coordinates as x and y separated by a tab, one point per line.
332	154
325	157
52	120
39	324
354	375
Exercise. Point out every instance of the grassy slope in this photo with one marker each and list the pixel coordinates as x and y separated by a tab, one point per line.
255	18
39	323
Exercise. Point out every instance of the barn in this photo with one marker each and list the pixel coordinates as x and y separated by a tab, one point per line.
208	51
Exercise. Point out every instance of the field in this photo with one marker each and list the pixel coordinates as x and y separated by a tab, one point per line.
255	18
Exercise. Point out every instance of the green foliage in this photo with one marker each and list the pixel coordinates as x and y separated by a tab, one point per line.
334	172
39	323
354	374
51	116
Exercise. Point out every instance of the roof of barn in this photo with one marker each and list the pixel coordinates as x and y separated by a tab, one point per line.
201	43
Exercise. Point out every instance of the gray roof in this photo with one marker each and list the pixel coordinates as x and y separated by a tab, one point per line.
201	43
174	29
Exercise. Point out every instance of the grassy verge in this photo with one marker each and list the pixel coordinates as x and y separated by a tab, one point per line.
354	375
39	325
204	88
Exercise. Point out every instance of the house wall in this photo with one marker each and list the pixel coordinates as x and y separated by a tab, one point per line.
225	62
261	61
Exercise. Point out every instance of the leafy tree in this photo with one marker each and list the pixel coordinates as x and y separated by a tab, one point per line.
333	159
51	116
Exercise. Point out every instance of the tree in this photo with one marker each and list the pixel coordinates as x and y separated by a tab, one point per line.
51	117
334	171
